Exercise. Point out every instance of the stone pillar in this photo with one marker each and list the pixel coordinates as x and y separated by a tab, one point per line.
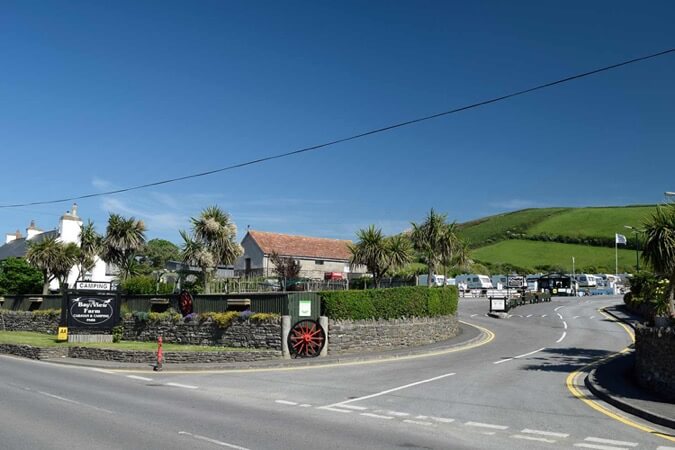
285	330
323	321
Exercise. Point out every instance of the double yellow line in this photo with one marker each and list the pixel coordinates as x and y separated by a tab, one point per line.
573	378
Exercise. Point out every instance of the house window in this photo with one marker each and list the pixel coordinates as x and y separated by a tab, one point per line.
319	262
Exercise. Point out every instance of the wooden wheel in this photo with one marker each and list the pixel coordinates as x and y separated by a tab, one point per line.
306	339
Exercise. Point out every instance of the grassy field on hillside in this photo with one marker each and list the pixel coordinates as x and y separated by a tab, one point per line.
532	253
494	228
593	222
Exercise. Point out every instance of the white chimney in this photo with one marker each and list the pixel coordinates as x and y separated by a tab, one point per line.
32	230
9	237
70	226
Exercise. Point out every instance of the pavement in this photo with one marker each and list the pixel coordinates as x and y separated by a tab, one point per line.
468	337
615	383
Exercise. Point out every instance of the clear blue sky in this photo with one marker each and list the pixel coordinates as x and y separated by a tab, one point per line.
103	95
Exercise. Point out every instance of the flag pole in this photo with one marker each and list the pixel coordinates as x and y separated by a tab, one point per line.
616	257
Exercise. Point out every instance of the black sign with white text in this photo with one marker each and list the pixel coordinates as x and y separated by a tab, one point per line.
92	311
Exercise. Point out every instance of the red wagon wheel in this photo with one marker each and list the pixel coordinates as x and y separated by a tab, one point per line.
306	339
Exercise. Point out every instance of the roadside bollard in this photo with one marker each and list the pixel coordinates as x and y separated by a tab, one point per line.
160	355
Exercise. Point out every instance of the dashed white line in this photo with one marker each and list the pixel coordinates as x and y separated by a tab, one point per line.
564	324
418	422
486	425
576	317
561	337
599	447
533	438
611	442
377	416
328	408
661	447
212	441
392	413
502	361
96	369
442	419
531	353
560	315
136	377
416	383
592	317
285	402
474	315
529	315
184	386
543	315
74	402
556	310
357	408
545	433
305	405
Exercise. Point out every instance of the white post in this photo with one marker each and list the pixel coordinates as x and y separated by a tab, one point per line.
616	257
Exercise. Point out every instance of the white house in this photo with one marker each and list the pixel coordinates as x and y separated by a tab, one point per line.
68	230
319	257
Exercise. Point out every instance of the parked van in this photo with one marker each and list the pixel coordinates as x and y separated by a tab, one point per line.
436	280
474	281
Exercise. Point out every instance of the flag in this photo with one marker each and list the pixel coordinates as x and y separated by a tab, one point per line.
620	239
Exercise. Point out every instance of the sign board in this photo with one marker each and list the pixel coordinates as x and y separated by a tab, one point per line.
92	311
62	335
497	304
305	308
93	285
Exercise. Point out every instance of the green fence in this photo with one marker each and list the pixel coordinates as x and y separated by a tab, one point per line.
30	302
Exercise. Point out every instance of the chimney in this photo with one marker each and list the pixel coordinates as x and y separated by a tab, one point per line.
9	237
74	210
32	230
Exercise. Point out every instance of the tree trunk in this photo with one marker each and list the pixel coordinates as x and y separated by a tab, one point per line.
207	288
671	295
45	287
431	276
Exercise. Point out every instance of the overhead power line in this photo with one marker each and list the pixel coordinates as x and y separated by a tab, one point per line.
350	138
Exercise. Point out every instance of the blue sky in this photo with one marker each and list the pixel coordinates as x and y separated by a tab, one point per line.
103	95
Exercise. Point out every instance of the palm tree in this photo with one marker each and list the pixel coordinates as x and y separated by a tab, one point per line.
659	248
123	239
462	259
435	240
212	243
90	247
54	259
379	253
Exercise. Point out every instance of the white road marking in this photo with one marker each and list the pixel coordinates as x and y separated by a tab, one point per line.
377	416
486	315
533	438
661	447
285	402
422	417
486	425
474	315
502	361
592	317
418	422
543	315
328	408
184	386
545	433
96	369
556	310
136	377
564	324
416	383
531	353
358	408
305	405
441	419
529	315
611	442
599	447
73	402
392	413
561	337
212	441
576	317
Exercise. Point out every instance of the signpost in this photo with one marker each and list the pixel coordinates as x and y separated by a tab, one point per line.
89	313
93	286
497	304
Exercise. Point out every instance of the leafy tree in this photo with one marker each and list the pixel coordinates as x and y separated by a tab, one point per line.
659	248
90	246
54	259
158	252
122	242
435	240
212	242
17	276
379	253
285	268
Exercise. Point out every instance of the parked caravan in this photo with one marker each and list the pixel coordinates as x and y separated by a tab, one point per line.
508	281
436	280
473	281
586	280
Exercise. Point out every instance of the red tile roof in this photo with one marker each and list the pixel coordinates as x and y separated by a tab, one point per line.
309	247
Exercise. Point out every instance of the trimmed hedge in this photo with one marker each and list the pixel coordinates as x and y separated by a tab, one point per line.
392	303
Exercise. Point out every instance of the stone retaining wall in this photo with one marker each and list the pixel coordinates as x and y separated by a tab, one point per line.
29	321
655	359
351	336
30	352
243	334
171	357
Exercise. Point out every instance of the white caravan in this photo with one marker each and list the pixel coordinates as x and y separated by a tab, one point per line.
586	280
508	281
473	281
436	280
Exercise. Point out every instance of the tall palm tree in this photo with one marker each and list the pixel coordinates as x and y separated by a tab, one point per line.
90	247
435	240
54	259
123	239
379	253
659	247
212	243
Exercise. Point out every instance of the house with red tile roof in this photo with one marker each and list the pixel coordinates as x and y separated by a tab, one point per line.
317	256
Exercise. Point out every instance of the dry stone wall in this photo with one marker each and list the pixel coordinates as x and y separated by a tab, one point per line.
655	359
352	336
29	321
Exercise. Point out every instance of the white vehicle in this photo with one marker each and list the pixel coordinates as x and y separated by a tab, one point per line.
532	282
436	280
586	280
508	281
474	281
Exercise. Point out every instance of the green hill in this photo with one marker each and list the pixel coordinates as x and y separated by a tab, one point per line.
533	238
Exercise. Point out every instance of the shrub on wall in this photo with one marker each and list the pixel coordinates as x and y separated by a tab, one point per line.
393	303
145	284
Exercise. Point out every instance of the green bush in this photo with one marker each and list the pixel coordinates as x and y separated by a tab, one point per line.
19	277
263	317
145	284
393	303
221	319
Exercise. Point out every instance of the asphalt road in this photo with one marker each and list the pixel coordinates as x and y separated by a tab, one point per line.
509	393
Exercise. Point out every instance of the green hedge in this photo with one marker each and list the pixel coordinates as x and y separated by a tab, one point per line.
392	303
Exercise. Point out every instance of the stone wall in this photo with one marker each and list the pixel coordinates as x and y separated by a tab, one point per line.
171	357
29	321
30	352
244	334
655	359
351	336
